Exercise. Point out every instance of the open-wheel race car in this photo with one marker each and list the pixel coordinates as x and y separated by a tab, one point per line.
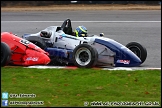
20	52
89	51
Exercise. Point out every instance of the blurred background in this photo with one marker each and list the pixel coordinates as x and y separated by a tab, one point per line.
46	3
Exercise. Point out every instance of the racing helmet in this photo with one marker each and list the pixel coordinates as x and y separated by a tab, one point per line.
81	31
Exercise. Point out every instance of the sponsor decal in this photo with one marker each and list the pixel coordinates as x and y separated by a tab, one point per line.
61	36
25	42
123	61
32	58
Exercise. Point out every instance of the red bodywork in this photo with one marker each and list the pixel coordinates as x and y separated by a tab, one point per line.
24	52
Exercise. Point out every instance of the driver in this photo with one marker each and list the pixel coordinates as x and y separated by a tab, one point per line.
80	31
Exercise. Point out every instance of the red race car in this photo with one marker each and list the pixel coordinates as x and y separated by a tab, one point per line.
21	52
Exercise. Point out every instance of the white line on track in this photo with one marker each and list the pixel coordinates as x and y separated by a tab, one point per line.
87	21
113	68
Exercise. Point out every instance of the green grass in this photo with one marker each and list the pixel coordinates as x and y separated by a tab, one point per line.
66	87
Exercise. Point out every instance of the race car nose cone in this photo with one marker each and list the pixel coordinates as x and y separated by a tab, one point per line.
44	59
136	61
34	57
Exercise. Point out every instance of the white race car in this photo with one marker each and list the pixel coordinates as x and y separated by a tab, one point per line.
90	51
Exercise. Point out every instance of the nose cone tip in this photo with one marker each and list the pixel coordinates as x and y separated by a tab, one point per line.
44	59
137	61
47	60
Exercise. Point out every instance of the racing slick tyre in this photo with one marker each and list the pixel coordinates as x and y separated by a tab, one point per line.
138	49
85	56
5	54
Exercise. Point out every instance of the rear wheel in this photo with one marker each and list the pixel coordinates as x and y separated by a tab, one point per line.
138	49
5	54
85	56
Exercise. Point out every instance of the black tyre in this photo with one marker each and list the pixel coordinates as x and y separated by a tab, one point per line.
85	56
5	54
138	49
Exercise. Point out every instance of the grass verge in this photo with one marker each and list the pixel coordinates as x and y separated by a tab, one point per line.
66	87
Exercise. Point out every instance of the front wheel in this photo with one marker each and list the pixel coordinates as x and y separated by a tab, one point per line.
85	56
5	54
138	49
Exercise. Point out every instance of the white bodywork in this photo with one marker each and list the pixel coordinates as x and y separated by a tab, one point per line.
61	40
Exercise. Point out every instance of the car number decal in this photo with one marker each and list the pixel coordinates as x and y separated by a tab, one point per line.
25	42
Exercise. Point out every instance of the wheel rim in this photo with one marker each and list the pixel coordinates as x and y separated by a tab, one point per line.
83	56
136	50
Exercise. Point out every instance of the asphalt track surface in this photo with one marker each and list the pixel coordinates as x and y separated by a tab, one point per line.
124	26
